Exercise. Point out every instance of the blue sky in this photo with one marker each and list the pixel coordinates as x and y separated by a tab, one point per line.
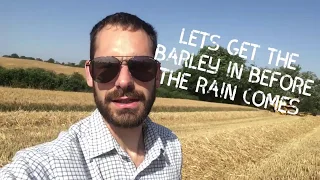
60	29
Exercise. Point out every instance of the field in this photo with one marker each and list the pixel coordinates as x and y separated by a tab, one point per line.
18	63
220	141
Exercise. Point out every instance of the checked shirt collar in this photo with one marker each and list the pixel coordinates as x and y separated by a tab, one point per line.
101	140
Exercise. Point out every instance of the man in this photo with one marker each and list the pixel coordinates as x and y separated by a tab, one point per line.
118	140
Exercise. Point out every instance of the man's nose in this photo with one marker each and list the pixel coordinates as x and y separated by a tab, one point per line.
125	79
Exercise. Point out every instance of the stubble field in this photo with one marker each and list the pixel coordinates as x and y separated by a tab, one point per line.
219	141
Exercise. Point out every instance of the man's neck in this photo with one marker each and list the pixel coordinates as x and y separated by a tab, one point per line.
130	140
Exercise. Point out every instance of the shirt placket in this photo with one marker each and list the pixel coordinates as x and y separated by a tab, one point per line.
126	161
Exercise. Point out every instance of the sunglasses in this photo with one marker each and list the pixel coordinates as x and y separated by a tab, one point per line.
104	69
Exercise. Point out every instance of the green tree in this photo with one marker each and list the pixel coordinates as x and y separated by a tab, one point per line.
71	64
220	75
30	58
14	55
310	104
51	60
82	63
75	82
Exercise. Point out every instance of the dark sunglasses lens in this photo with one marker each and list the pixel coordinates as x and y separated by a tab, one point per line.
143	68
104	69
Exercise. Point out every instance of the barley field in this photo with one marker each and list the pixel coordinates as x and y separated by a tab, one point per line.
23	63
219	141
17	98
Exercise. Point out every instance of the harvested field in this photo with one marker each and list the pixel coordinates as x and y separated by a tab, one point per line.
218	143
32	99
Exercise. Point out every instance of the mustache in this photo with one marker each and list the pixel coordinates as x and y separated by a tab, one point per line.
125	92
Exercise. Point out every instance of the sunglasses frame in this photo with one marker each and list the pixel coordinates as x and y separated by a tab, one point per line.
121	62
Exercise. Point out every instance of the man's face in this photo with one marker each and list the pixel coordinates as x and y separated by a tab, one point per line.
124	101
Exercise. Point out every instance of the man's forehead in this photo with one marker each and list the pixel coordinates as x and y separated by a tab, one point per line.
117	40
115	31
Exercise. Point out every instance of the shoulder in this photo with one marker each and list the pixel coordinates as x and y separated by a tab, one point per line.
168	137
171	145
164	132
38	162
66	145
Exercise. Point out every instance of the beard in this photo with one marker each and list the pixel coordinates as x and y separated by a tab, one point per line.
125	118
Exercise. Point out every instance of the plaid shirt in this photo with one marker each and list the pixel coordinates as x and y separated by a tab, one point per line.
88	151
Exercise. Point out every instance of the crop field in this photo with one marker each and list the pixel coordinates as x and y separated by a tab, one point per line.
219	141
23	63
18	98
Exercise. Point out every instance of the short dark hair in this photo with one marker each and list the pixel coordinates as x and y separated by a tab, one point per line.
125	20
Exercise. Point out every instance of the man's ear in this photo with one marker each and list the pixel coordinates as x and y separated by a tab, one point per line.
88	75
158	76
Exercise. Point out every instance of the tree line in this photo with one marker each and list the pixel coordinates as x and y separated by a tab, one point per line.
74	82
50	60
44	79
309	104
39	78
